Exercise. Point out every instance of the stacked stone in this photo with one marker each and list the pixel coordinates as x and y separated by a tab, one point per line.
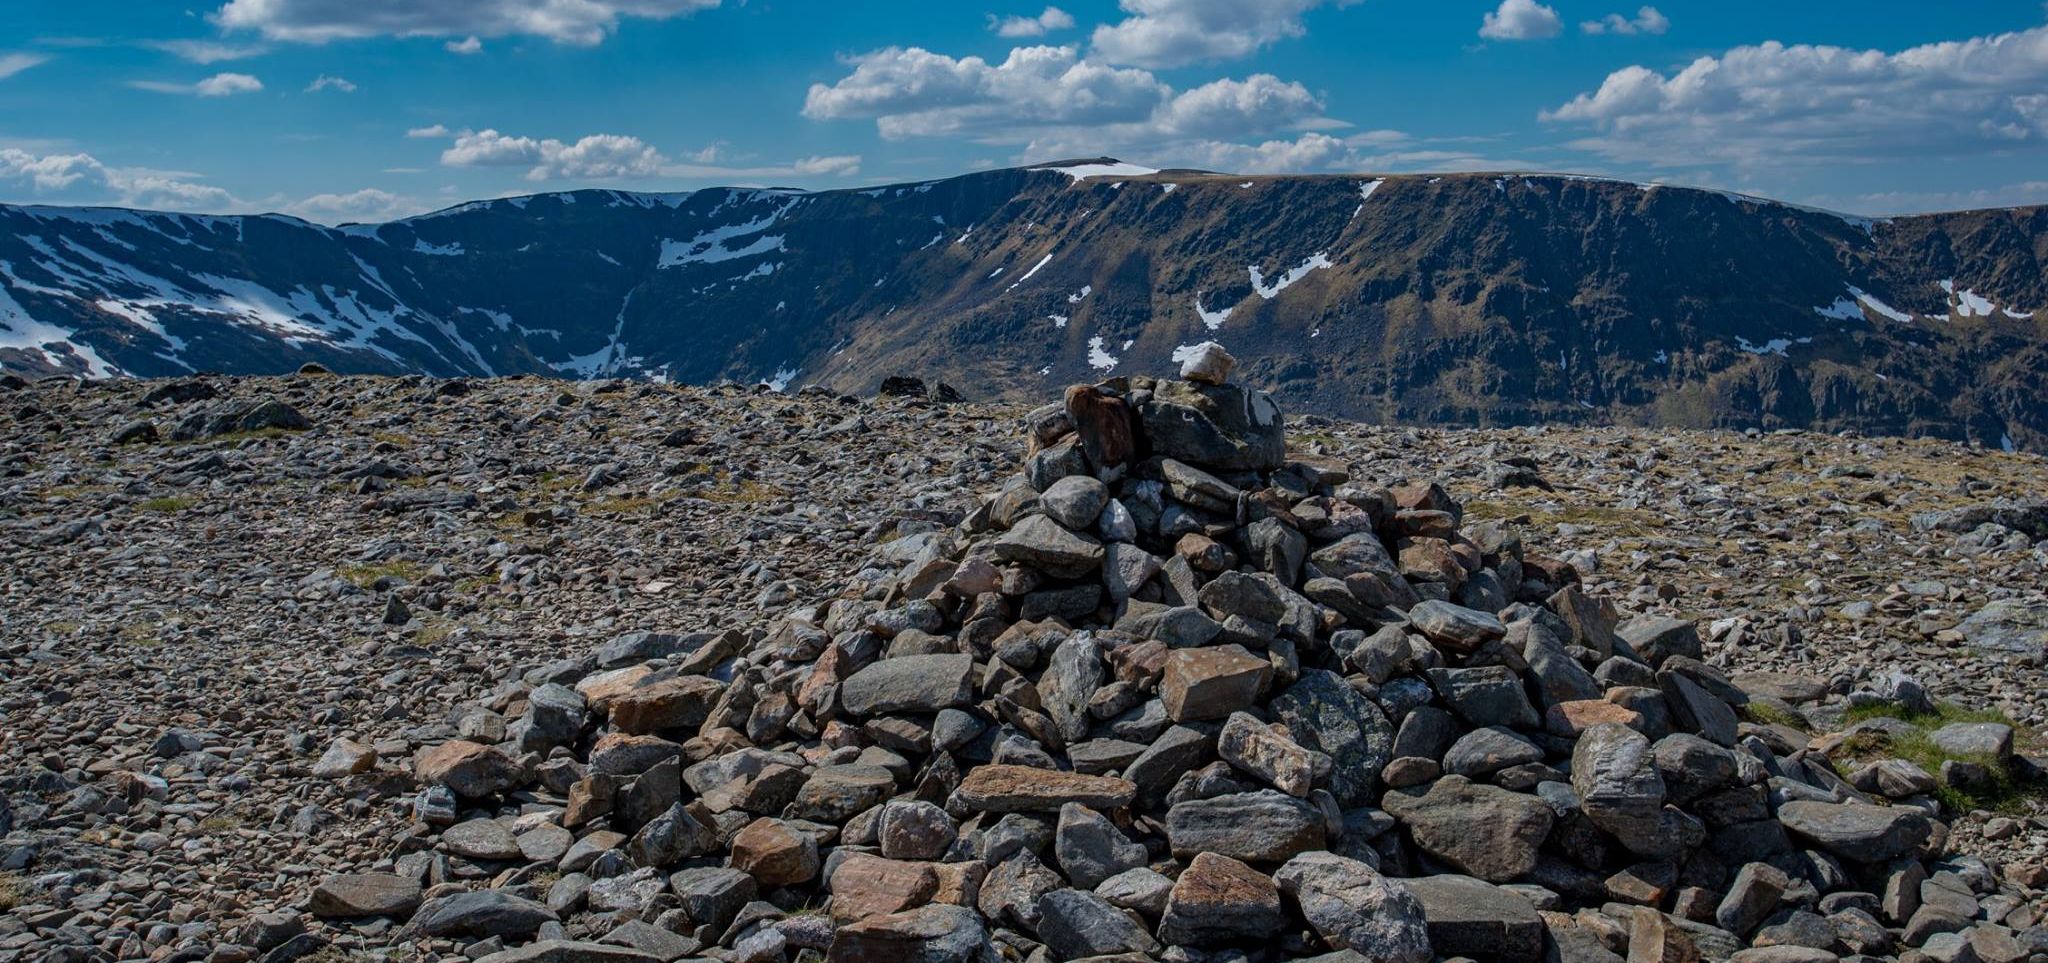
1169	695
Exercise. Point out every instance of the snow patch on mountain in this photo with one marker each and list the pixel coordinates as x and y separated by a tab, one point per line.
500	319
1211	319
1775	346
1365	194
1115	168
59	347
1035	268
1870	301
1299	271
1968	303
1844	309
1099	357
710	246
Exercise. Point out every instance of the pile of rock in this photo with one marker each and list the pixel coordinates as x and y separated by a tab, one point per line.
1168	695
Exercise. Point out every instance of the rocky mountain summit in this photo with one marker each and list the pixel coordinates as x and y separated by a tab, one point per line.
1468	299
402	669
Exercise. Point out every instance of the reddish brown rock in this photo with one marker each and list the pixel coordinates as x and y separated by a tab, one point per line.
599	690
928	934
1654	938
864	886
959	883
1213	682
470	769
677	702
1220	900
1572	718
775	853
345	757
1103	422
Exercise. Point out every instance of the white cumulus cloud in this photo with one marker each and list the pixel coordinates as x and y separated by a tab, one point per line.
1175	33
1773	105
226	85
836	165
368	205
1054	96
912	92
488	148
82	179
618	156
1052	19
582	22
1647	20
325	82
218	85
1521	20
433	130
599	156
466	46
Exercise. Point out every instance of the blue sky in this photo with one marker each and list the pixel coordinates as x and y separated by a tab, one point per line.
369	109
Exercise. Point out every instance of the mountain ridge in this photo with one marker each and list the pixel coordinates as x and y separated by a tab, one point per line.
1483	298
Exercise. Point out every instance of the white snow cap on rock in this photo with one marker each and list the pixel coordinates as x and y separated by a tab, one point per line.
1207	362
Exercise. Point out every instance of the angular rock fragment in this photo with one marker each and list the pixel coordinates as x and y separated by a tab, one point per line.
1211	683
1483	830
1220	900
1353	907
1258	827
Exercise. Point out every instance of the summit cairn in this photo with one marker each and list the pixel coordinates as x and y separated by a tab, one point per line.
1168	694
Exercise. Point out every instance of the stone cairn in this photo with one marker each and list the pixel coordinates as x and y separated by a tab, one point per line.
1167	695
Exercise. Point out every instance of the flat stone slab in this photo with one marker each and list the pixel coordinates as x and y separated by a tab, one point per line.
1858	832
1021	789
354	895
1471	917
913	683
2009	627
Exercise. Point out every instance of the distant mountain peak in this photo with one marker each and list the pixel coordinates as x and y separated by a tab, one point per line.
1488	298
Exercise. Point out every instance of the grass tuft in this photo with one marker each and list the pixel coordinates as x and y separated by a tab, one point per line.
1943	714
142	634
237	437
743	492
2008	793
624	504
367	575
220	823
168	505
13	891
1627	522
1763	713
433	632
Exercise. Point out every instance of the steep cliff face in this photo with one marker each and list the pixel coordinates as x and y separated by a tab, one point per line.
1461	299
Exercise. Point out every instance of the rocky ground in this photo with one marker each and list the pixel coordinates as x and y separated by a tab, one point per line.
237	611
